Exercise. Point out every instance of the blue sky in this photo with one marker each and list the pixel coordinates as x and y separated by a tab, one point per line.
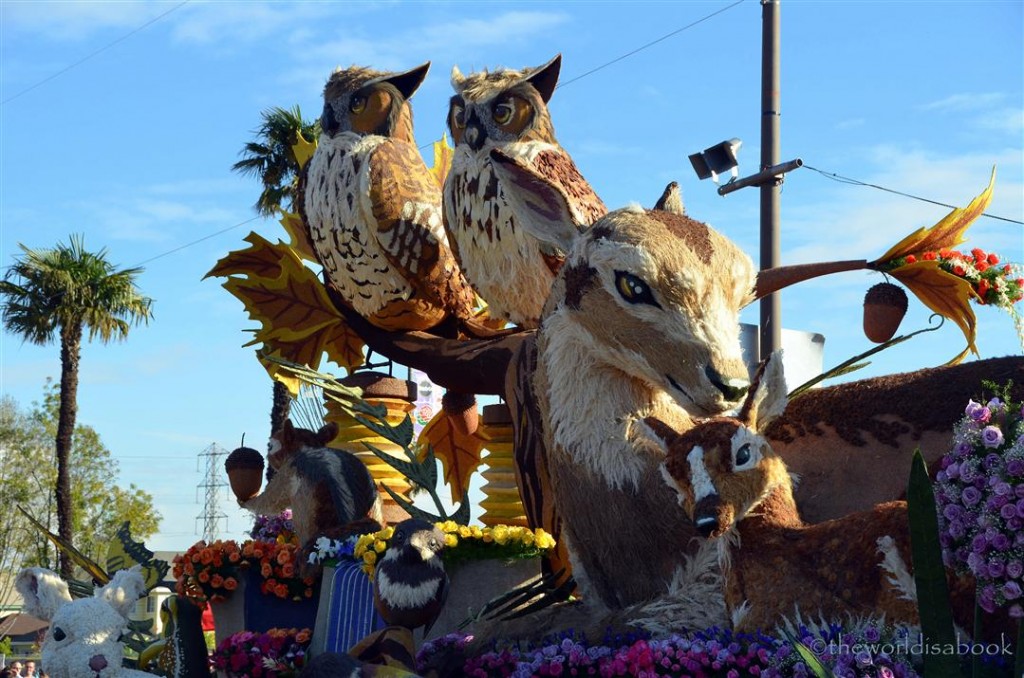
133	148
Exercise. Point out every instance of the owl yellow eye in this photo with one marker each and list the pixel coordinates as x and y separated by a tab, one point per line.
503	112
357	104
459	116
633	289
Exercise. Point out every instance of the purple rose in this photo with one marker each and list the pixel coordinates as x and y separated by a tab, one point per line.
1011	590
967	473
1015	467
1016	611
996	405
1002	488
977	412
1001	542
996	569
979	544
1020	508
1019	491
952	512
956	529
991	437
1014	569
971	496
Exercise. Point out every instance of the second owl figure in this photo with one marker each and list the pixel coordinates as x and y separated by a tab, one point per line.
374	210
507	163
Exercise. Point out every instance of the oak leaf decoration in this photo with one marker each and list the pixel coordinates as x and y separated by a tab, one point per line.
459	453
442	160
262	259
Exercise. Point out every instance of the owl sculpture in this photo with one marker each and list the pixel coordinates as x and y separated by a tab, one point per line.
506	156
373	210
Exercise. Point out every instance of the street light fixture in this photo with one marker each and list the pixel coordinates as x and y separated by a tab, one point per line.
716	160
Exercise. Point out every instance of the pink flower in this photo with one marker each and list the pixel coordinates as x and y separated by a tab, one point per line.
977	412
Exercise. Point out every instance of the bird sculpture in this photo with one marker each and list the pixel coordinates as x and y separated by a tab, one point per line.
510	258
182	651
410	584
373	209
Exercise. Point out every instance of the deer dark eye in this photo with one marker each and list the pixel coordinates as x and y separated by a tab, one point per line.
743	455
398	536
633	289
58	634
357	104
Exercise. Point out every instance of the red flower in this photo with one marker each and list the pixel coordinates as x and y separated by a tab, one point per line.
983	288
911	259
929	256
981	266
993	259
959	270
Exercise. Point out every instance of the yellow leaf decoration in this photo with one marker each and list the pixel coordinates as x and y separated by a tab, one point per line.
948	233
459	453
298	236
298	321
303	150
945	294
262	260
442	160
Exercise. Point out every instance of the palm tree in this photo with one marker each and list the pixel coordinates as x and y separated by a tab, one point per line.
270	159
60	292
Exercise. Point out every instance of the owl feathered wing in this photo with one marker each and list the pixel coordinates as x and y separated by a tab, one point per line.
534	180
406	202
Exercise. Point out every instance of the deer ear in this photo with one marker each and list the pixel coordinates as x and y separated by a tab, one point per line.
661	430
768	395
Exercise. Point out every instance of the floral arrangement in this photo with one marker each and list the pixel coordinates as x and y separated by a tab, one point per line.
276	563
715	652
208	571
865	650
993	284
277	528
278	653
979	493
464	542
211	572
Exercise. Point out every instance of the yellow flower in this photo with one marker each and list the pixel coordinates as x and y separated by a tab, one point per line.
369	557
544	540
476	531
448	526
379	546
464	531
500	534
369	570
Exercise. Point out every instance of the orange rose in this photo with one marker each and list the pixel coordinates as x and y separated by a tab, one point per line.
233	557
288	570
204	576
281	590
283	557
308	593
302	636
231	583
216	581
266	570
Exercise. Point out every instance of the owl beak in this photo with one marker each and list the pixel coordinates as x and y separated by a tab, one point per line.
475	135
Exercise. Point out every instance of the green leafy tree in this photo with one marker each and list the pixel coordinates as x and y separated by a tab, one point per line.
27	474
270	159
56	295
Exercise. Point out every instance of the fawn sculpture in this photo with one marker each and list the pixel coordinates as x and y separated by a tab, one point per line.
737	490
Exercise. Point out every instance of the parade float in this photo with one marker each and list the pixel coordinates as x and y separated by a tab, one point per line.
593	556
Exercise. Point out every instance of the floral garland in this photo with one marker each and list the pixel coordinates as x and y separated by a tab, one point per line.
715	652
464	542
279	528
979	493
211	572
278	653
994	285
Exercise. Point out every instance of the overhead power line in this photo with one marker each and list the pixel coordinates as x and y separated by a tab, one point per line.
95	53
857	182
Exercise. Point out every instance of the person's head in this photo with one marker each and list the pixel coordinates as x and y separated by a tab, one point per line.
15	668
30	669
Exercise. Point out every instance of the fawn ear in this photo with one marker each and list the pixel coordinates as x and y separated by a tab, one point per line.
768	395
43	592
661	430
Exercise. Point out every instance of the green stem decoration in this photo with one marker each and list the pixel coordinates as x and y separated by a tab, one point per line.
853	363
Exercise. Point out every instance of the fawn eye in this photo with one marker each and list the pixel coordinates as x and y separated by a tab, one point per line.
58	634
357	104
743	455
633	289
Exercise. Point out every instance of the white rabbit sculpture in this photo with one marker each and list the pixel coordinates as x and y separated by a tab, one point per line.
84	638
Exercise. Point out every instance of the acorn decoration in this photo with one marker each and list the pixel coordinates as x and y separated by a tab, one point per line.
885	305
245	472
461	409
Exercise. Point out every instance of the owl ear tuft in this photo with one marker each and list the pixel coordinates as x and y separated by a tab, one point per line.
457	78
408	82
545	78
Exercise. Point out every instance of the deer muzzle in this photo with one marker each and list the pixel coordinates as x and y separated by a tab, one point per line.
707	516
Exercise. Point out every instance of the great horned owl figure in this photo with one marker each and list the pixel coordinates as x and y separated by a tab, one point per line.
505	148
374	210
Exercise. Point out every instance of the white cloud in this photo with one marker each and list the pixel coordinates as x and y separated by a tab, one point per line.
77	20
852	123
965	102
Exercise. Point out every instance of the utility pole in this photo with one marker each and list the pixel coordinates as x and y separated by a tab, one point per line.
771	306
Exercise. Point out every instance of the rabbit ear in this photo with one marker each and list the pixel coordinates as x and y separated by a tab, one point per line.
124	590
43	590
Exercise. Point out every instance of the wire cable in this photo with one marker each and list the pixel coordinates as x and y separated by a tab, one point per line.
856	182
196	242
95	53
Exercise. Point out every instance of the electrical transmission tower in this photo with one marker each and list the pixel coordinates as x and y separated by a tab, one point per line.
212	485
